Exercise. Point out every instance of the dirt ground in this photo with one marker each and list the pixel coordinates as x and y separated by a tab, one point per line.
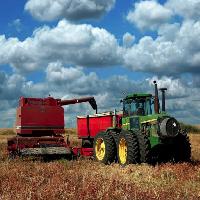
86	179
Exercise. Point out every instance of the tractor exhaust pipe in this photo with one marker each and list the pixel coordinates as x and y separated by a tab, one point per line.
156	99
163	98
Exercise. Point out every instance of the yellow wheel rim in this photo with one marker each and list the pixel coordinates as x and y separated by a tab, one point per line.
100	149
122	151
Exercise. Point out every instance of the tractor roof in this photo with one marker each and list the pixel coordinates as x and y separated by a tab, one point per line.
136	96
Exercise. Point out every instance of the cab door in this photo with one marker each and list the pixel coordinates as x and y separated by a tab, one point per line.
126	114
130	119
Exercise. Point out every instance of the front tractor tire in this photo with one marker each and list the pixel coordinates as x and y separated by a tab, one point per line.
144	147
127	148
104	148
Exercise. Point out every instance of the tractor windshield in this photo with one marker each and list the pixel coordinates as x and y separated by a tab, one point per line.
139	106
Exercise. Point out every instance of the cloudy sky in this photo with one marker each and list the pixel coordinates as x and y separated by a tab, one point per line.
101	48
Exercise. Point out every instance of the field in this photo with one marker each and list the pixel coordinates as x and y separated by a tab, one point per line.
86	179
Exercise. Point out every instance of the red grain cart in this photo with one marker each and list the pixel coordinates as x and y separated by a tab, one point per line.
89	126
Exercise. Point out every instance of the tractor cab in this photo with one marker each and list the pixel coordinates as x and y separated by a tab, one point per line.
137	105
136	109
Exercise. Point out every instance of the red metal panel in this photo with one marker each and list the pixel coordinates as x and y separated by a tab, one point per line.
50	101
82	127
87	151
78	151
39	114
100	123
96	124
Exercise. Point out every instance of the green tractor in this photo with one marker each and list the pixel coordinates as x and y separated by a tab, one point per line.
144	134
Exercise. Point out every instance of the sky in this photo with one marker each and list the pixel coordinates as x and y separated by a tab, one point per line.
101	48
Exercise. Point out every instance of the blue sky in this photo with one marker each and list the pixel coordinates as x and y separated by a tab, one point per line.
102	48
114	22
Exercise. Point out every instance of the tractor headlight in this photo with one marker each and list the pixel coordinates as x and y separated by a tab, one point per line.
169	127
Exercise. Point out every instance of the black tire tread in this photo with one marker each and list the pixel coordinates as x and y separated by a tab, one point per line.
110	149
132	145
144	147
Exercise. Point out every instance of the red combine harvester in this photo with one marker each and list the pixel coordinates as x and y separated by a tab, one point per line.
40	127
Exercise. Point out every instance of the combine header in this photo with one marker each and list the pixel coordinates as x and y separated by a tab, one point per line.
40	126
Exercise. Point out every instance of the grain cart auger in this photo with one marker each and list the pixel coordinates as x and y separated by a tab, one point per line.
141	133
40	126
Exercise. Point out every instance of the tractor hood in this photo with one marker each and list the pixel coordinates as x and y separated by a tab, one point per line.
152	119
166	126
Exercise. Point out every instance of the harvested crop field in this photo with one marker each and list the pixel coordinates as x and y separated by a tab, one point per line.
86	179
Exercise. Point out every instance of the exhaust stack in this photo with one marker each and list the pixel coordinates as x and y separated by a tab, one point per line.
156	100
163	98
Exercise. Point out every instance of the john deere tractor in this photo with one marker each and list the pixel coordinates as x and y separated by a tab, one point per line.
144	134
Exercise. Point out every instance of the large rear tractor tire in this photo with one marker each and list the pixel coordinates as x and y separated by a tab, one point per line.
104	148
127	148
182	148
144	147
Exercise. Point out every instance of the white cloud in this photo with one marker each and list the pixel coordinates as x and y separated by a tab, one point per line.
149	15
11	86
57	73
128	40
188	9
175	87
7	118
69	43
17	24
72	79
169	32
176	47
47	10
196	81
175	51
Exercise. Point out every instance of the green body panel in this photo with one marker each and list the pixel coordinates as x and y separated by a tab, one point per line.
151	121
148	120
126	123
154	141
